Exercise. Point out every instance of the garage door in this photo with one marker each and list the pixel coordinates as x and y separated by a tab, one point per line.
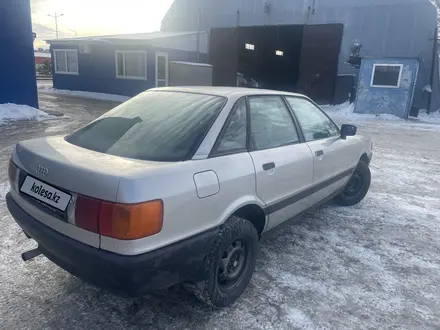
319	61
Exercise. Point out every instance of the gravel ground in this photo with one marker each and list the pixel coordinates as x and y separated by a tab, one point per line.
376	265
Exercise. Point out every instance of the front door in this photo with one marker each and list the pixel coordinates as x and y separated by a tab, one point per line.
161	69
283	165
334	159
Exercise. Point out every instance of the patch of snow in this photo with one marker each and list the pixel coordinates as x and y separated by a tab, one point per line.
299	319
91	95
427	88
192	63
11	112
44	55
433	117
345	111
4	189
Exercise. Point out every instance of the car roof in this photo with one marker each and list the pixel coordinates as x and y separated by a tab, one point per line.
225	91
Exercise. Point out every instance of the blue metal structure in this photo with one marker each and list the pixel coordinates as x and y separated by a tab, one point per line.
379	99
97	61
385	28
17	64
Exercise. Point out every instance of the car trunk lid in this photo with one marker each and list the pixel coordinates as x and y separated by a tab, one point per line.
52	165
78	170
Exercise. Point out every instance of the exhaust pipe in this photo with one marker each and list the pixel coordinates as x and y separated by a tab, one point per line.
30	254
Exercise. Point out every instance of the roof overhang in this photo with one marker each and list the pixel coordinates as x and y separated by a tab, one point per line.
187	41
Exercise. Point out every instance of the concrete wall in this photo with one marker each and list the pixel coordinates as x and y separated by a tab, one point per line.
386	28
395	101
97	69
17	66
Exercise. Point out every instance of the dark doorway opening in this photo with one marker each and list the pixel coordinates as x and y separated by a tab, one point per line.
269	56
293	58
319	61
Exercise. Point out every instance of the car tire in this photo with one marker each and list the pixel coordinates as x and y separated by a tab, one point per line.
234	253
357	187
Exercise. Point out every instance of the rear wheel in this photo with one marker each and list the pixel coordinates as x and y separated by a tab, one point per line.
358	186
230	264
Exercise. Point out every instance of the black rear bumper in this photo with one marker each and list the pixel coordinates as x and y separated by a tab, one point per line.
123	275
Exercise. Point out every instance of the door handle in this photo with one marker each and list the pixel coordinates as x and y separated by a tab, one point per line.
268	166
319	153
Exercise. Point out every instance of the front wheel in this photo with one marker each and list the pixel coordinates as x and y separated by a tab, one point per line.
230	263
357	188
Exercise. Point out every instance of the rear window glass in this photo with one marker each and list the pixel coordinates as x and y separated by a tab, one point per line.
157	126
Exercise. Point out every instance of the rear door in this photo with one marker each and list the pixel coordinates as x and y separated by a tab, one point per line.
333	158
283	165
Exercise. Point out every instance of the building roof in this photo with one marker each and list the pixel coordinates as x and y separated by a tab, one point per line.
135	36
187	40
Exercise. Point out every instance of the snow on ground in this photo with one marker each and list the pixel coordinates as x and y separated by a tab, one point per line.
372	266
4	188
46	88
346	111
11	112
433	117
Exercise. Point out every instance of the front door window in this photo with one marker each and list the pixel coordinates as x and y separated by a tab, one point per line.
314	123
272	124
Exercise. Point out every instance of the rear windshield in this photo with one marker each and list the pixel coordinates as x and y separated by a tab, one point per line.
156	125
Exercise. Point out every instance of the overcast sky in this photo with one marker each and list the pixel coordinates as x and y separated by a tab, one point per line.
96	17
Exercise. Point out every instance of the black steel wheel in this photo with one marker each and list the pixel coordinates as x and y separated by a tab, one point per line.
357	187
354	185
230	263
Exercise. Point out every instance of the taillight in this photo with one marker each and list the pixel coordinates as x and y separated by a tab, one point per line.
12	172
87	213
131	221
121	221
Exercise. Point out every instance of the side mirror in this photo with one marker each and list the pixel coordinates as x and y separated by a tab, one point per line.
348	130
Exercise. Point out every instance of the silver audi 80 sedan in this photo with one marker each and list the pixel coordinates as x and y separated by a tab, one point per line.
178	185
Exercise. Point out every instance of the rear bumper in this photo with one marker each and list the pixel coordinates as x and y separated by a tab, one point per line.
123	275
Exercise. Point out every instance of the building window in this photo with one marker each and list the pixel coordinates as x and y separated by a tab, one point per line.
386	75
66	61
279	53
131	64
249	46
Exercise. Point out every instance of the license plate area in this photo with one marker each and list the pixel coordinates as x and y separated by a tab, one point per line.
45	193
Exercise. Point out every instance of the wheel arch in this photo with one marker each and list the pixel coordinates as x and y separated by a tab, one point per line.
251	209
255	215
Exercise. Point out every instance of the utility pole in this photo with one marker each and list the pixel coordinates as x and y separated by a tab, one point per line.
56	16
74	31
199	18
